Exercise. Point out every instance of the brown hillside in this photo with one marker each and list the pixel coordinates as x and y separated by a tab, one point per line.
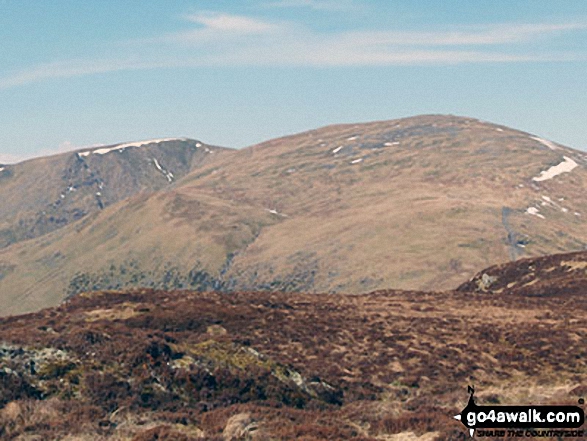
44	194
559	274
418	203
390	365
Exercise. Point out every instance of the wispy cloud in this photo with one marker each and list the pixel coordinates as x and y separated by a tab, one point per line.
231	40
213	28
74	68
7	158
64	147
232	23
501	34
318	5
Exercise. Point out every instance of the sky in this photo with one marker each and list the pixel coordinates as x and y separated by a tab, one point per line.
234	73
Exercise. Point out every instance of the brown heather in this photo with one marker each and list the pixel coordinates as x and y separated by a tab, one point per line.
389	365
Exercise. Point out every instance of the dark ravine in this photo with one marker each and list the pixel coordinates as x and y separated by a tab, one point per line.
515	241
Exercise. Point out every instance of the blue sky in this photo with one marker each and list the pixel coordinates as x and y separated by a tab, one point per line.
234	73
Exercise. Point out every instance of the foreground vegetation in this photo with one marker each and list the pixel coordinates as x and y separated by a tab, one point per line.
390	365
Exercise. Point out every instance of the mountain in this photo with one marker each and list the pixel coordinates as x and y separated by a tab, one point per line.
388	365
422	203
44	194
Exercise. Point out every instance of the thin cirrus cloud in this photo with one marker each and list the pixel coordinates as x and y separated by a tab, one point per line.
231	23
217	39
479	36
317	5
64	147
212	28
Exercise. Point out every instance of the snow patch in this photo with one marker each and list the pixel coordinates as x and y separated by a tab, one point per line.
352	138
336	150
499	130
1	169
166	173
545	142
389	144
549	201
577	214
275	212
356	161
564	167
534	212
198	144
121	147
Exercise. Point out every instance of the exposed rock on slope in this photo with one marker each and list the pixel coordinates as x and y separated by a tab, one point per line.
541	277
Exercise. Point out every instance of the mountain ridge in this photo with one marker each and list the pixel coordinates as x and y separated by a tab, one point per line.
418	203
37	194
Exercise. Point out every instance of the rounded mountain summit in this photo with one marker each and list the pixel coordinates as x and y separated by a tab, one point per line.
421	203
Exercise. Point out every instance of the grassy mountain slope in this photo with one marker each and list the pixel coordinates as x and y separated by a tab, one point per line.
44	194
432	199
418	203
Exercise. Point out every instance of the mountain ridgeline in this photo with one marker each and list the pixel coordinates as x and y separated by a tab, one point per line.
421	203
45	194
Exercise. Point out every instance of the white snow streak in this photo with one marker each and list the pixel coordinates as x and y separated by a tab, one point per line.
121	147
564	167
549	201
545	142
389	144
338	149
166	173
275	212
356	161
534	212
